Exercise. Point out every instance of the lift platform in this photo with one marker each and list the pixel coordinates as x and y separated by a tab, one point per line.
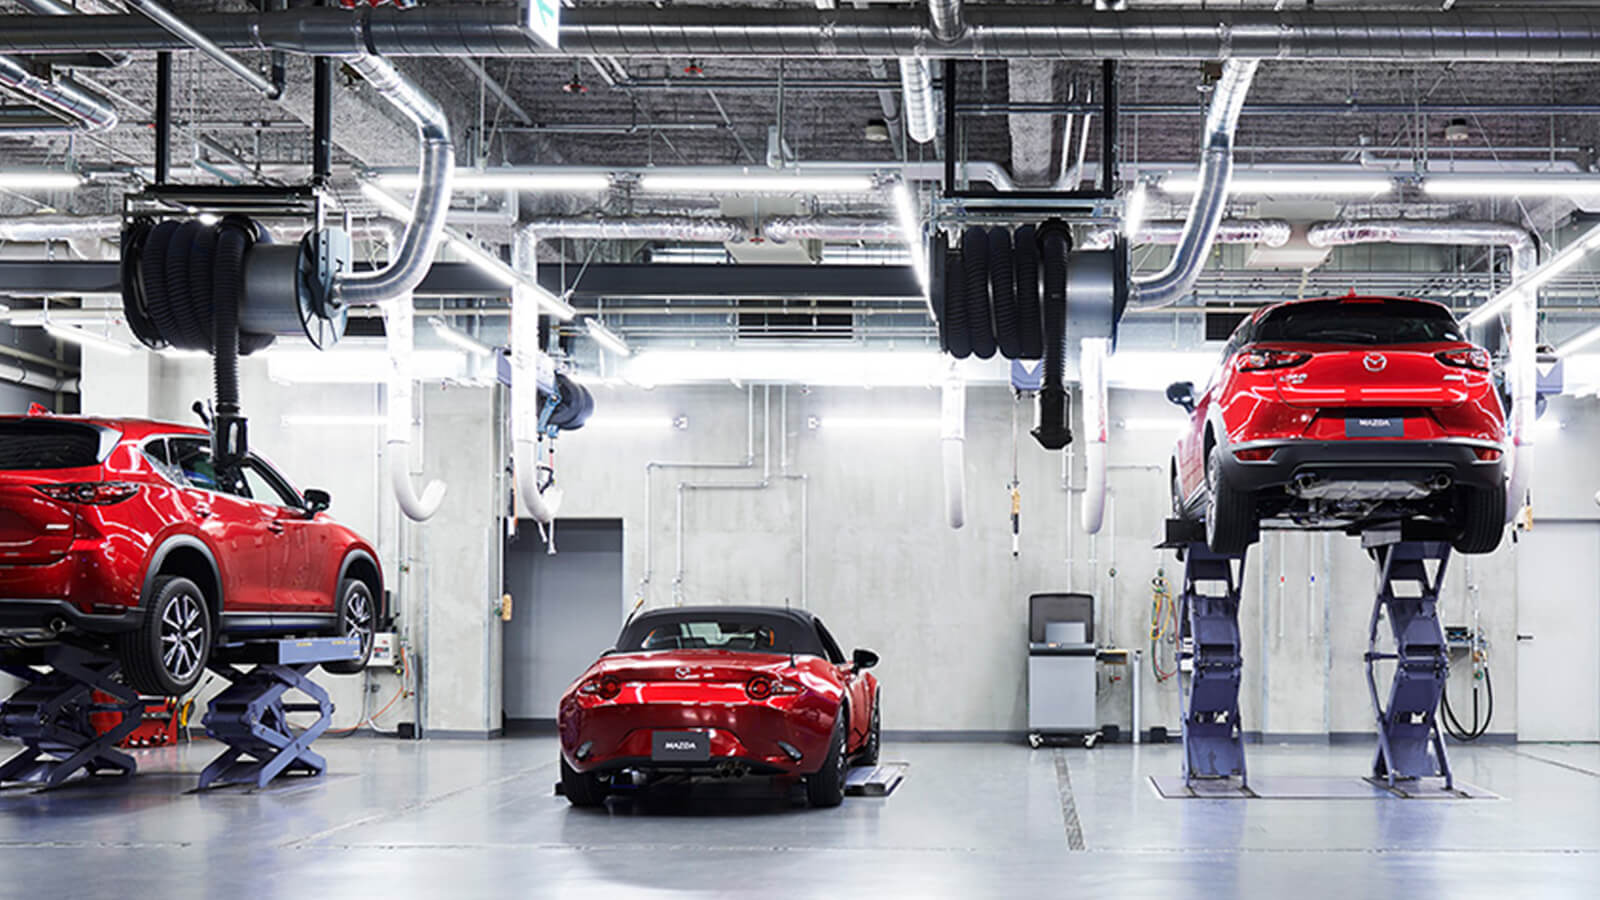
251	715
50	714
1209	642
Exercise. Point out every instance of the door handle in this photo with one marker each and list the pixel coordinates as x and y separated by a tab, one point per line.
203	510
275	526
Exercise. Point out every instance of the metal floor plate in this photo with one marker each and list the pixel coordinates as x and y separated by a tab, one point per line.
1312	787
875	781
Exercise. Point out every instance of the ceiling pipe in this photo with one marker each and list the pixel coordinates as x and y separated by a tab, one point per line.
58	8
832	228
85	110
11	373
916	83
186	33
697	229
1211	196
399	321
429	206
994	31
948	19
542	502
1271	232
38	229
890	107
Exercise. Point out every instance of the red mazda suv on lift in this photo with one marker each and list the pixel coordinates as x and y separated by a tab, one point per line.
1345	413
720	690
123	532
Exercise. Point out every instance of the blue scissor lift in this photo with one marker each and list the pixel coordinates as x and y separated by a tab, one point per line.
50	714
1411	564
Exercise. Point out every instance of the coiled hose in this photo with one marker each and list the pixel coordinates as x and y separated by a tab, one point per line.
1050	428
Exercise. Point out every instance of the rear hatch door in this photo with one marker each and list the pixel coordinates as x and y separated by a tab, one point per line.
1373	377
35	528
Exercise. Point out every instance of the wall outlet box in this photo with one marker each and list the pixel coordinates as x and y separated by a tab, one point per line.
383	650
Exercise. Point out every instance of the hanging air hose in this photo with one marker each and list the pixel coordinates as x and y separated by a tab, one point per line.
1480	674
1050	427
1163	624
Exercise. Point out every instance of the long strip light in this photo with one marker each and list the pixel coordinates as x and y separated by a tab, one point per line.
458	338
76	335
1569	256
1555	185
510	180
1133	211
24	180
1286	185
905	211
755	183
490	264
607	338
1578	343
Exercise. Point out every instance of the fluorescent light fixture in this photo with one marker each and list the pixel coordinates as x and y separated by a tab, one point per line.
870	423
905	210
639	423
755	183
76	335
607	338
1555	185
175	353
1151	424
458	338
335	421
360	366
1579	342
469	249
509	180
1133	211
1569	256
1286	185
23	180
862	368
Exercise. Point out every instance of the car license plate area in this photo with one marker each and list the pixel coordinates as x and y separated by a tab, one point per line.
680	746
1369	427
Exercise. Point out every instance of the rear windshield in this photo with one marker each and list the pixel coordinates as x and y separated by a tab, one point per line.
48	445
1359	322
743	632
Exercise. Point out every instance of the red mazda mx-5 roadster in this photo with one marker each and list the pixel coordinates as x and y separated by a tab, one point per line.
720	690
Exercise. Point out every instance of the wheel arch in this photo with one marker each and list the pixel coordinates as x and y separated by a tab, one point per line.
360	564
189	557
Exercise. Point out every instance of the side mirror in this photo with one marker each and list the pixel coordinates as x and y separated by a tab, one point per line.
1181	393
317	500
863	659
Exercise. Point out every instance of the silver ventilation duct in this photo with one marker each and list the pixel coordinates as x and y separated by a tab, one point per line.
949	21
1271	232
916	82
1524	249
38	229
84	109
994	31
829	228
697	229
1210	197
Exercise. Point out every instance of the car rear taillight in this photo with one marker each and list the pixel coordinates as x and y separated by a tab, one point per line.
94	493
1253	454
605	688
760	687
1486	454
1471	358
1256	360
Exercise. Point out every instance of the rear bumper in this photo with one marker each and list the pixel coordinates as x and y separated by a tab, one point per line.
607	737
1365	460
36	619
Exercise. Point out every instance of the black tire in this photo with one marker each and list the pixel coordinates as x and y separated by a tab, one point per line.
166	655
1482	515
582	788
874	747
953	326
975	266
358	618
1231	524
1180	510
1003	291
825	787
1025	261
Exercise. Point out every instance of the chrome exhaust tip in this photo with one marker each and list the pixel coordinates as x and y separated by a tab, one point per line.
58	625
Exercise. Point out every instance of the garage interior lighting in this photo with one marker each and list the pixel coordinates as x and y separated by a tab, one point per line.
468	249
1285	185
370	421
1570	256
512	180
23	180
607	338
360	366
458	338
74	334
1501	186
866	368
905	210
755	183
1133	211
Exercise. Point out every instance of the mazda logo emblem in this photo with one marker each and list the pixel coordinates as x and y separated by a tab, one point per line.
683	672
1374	362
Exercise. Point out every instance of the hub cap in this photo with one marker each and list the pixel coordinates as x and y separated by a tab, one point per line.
183	637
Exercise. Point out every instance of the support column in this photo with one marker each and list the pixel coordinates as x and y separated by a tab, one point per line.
1410	745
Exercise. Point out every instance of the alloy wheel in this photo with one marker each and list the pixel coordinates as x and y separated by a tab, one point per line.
358	617
183	637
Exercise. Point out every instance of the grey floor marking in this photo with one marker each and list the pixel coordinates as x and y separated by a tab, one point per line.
1069	807
1569	766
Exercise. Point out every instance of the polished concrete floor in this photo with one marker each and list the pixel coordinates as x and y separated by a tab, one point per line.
458	819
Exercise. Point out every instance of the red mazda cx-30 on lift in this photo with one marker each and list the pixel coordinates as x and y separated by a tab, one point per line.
1345	412
720	690
122	532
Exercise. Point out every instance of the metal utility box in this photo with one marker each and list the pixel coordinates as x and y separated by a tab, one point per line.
1061	664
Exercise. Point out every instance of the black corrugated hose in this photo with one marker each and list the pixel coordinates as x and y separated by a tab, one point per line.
1050	428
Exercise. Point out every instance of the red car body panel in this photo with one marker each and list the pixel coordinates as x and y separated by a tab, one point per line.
705	690
1451	415
89	564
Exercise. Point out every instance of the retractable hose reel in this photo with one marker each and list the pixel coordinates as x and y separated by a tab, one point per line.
223	288
1026	294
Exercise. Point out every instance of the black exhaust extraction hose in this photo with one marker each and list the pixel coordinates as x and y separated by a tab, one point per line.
229	437
1050	426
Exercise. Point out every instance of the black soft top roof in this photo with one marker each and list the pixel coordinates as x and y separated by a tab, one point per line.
795	629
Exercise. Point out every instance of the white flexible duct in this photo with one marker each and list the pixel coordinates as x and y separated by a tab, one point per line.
832	228
1271	232
952	445
398	326
1524	376
1092	376
525	359
698	229
38	229
916	83
87	110
1174	282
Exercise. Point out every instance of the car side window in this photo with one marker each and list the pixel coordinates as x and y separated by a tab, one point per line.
267	486
159	457
829	645
191	459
